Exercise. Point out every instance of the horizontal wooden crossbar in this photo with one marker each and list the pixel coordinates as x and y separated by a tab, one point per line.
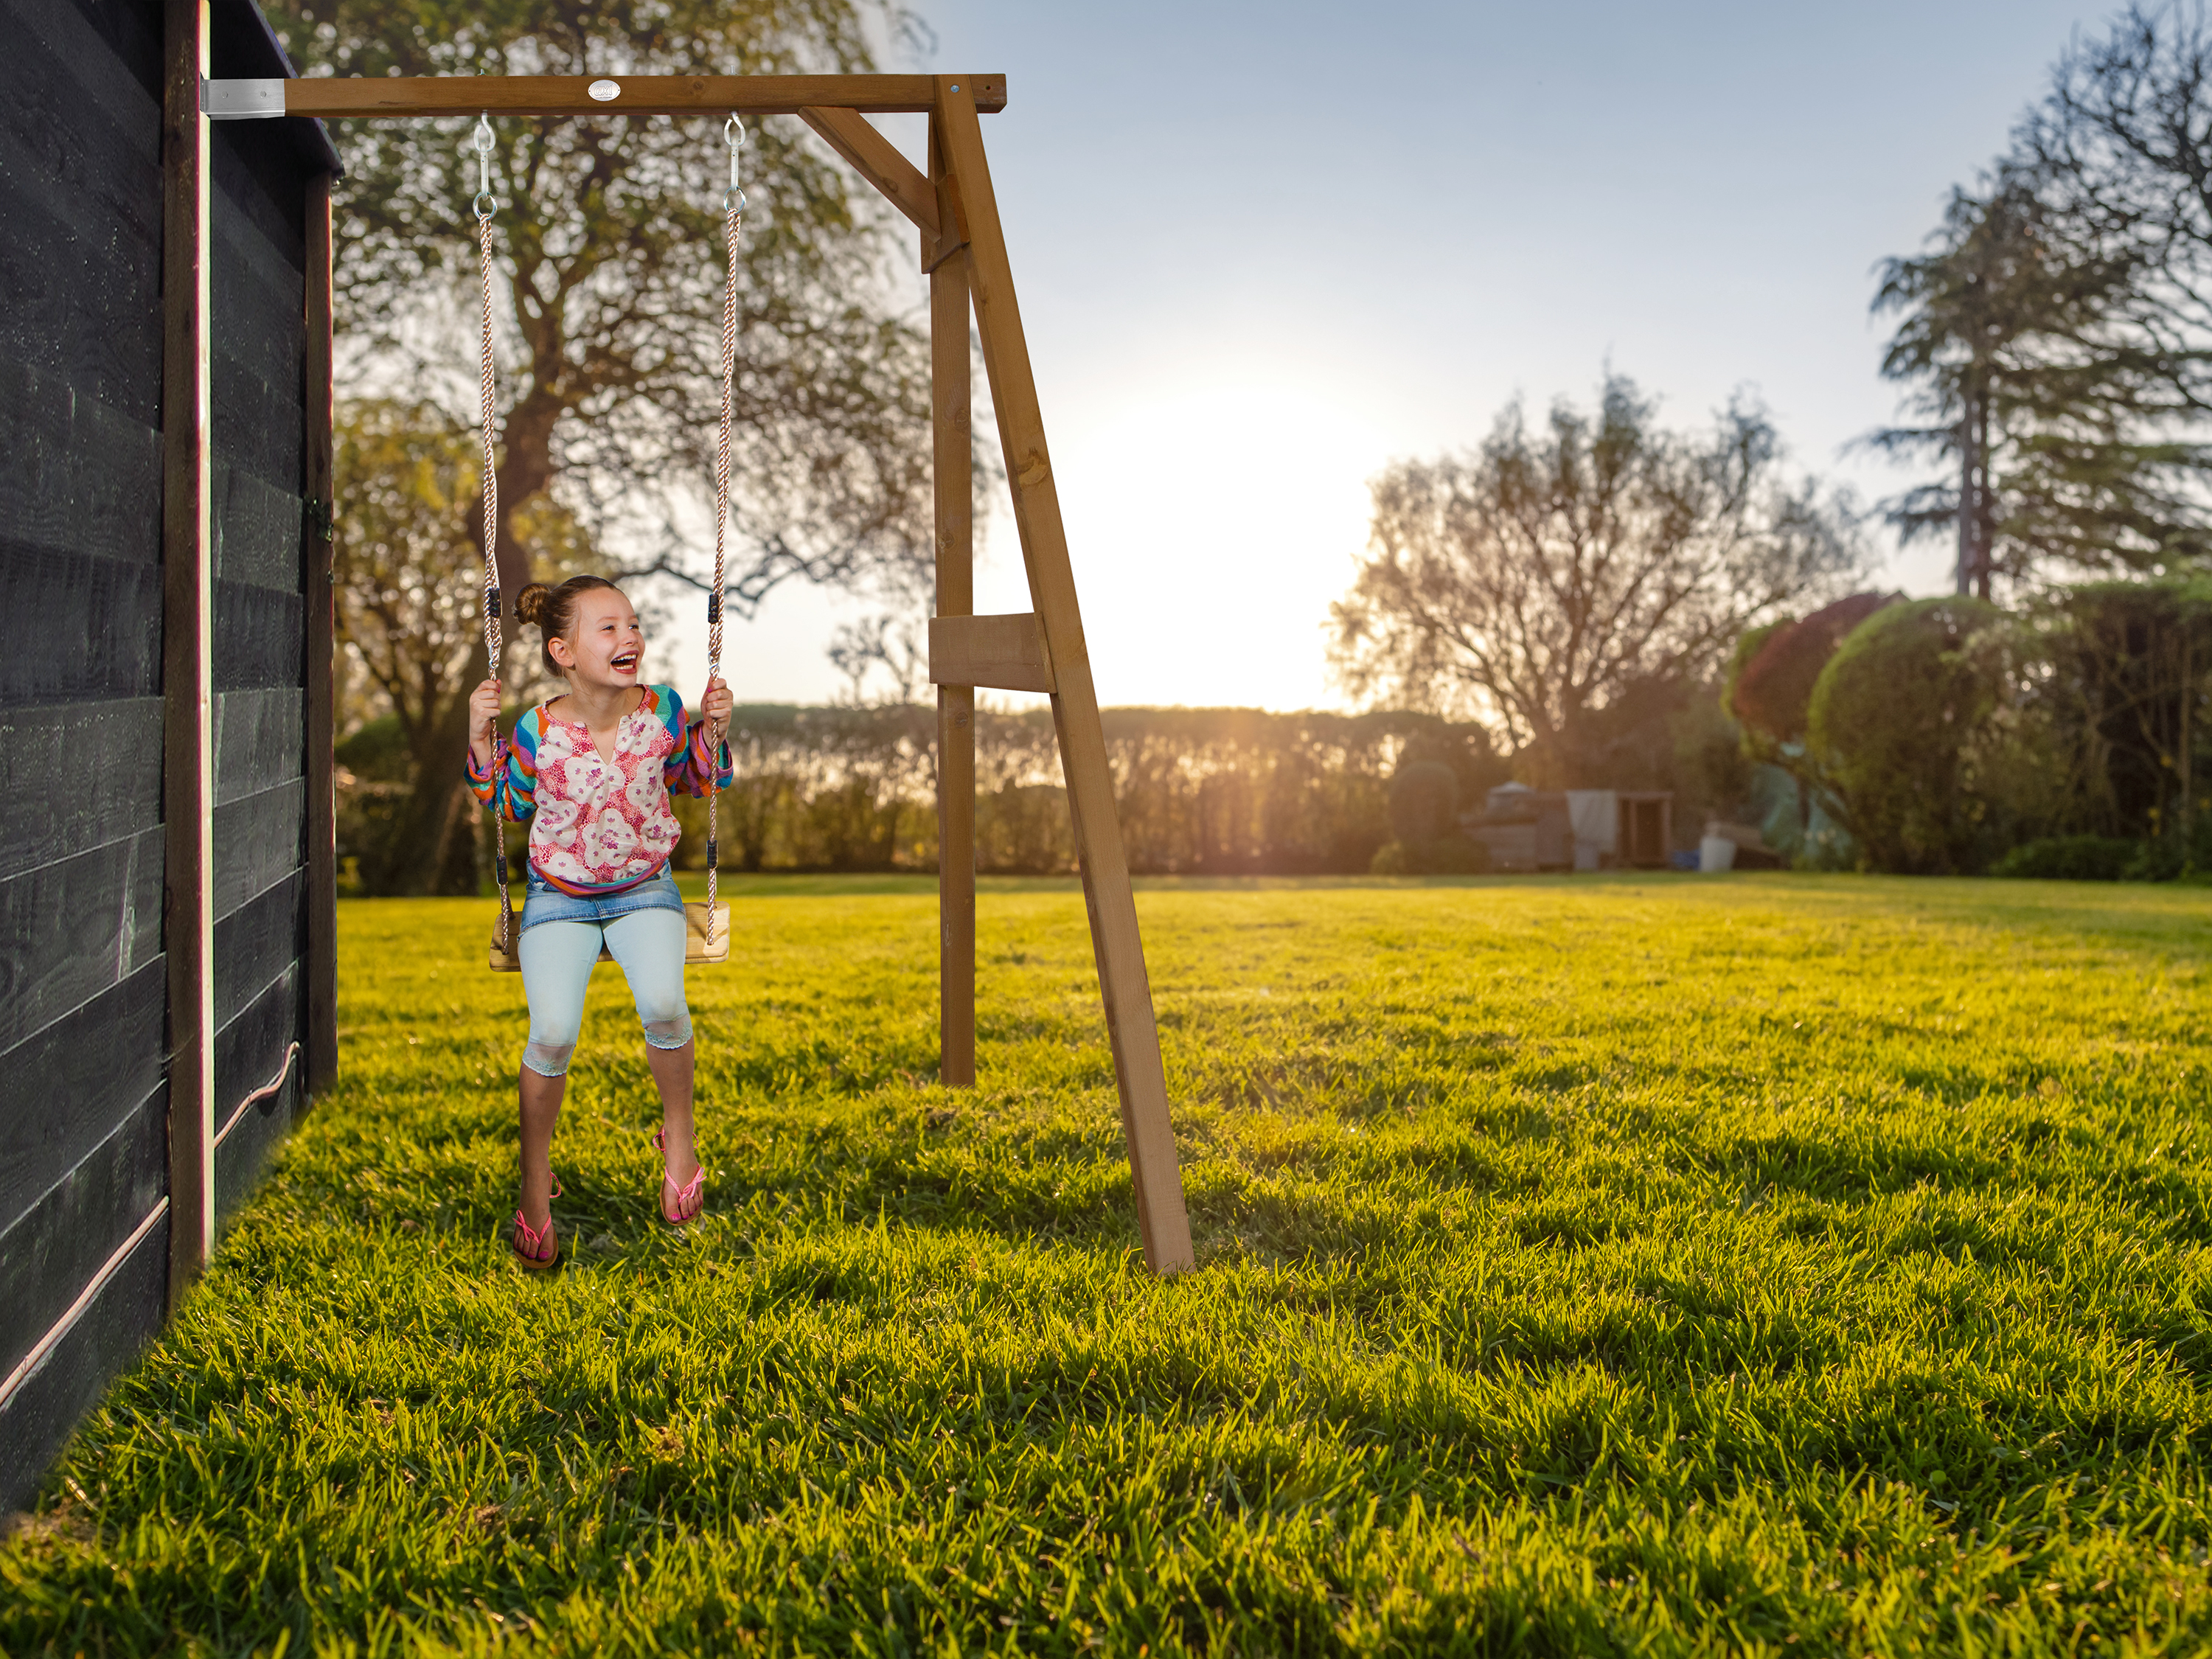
1006	653
335	96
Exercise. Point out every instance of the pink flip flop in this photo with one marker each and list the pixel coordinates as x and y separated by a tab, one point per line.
535	1248
686	1195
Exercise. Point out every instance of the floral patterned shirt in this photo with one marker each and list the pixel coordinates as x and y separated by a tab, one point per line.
598	826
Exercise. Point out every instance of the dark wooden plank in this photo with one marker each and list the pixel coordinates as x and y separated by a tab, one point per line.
260	168
129	30
188	609
63	1090
258	742
121	1319
79	69
78	185
55	1246
74	776
86	136
257	424
254	944
243	1157
79	478
258	303
249	1052
259	841
319	648
250	1048
257	529
66	315
112	45
71	930
258	286
256	637
76	629
259	184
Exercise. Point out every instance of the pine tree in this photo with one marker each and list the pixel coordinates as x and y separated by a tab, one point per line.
2019	337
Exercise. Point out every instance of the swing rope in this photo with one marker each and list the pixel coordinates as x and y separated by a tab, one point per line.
485	206
733	211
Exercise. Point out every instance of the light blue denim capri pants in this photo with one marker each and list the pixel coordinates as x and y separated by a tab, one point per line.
643	929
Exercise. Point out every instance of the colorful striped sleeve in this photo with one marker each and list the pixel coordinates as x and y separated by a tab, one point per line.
515	792
685	770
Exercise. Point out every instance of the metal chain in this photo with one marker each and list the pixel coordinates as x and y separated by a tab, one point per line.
494	649
733	210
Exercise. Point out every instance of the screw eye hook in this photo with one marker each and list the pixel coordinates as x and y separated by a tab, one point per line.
485	202
733	134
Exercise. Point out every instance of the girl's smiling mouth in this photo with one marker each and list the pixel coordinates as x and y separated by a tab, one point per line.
623	662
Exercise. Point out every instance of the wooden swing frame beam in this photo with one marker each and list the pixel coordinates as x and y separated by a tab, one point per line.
963	252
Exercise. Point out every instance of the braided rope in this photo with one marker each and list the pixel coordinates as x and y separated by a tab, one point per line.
494	646
733	221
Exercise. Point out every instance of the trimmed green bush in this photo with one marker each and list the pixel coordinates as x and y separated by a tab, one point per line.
1922	730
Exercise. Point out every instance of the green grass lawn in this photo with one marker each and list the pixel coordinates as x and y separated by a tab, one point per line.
1608	1265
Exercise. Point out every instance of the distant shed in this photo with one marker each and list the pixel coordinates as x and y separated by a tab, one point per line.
166	913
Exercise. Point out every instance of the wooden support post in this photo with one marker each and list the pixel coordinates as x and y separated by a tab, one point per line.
187	653
1115	940
321	599
953	457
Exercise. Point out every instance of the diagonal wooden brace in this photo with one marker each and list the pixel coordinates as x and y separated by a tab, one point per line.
1122	982
878	160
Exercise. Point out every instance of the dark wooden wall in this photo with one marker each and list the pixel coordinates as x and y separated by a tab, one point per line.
83	1157
258	291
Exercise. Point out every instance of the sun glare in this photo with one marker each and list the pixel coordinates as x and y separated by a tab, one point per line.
1210	528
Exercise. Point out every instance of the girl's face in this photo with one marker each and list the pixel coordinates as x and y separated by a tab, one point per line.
605	647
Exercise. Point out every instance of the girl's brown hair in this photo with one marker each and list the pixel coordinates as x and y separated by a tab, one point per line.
554	610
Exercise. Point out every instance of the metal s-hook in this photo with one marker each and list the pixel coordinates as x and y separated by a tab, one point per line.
733	134
485	204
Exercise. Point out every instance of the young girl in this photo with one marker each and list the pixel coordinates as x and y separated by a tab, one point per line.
590	773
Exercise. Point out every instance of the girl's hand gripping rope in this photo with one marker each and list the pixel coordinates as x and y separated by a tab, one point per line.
484	711
714	707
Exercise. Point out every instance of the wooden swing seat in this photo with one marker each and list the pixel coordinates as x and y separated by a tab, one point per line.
696	946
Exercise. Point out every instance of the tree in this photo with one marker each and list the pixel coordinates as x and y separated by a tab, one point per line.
609	248
410	610
1925	733
2054	412
2127	664
1562	585
1768	689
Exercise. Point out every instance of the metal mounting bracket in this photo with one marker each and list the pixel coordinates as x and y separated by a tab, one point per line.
241	100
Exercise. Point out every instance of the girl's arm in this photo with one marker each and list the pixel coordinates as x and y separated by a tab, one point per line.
514	792
701	751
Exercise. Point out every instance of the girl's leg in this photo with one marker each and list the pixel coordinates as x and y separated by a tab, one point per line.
649	945
556	965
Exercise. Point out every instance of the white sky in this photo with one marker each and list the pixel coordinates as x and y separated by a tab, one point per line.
1261	250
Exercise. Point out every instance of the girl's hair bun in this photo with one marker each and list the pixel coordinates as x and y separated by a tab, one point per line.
530	604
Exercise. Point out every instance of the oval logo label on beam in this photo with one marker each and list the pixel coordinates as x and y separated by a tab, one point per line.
604	91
